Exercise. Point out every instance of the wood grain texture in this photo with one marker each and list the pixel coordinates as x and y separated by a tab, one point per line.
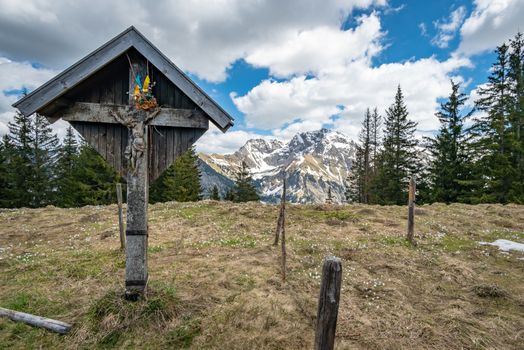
37	321
328	303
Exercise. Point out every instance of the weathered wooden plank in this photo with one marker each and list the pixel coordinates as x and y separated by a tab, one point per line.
102	140
117	149
328	302
38	321
76	73
101	113
110	146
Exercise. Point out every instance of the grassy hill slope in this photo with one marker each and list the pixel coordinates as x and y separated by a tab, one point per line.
215	279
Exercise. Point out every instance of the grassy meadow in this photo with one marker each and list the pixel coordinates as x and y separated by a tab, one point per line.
215	277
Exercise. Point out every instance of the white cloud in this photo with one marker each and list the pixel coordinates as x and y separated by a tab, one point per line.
446	29
202	36
354	86
16	76
315	50
491	23
215	141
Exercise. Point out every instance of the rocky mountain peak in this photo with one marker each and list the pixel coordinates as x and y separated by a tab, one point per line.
314	161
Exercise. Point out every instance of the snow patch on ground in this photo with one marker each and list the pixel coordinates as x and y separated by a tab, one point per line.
506	245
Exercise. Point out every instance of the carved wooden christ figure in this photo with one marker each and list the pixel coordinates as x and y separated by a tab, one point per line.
137	121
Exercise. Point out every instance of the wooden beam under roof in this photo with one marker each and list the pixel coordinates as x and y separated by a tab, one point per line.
101	113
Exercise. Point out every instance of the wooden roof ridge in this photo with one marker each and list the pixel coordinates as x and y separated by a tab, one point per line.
99	58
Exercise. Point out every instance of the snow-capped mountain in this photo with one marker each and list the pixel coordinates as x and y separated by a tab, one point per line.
313	161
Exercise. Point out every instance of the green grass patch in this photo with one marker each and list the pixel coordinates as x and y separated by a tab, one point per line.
182	337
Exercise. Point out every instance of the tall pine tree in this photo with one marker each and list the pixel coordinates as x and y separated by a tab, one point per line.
493	141
67	183
449	170
398	159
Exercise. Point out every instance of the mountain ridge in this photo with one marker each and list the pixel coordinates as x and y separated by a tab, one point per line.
313	161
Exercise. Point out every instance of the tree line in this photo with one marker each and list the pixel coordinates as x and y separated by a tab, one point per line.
37	170
476	156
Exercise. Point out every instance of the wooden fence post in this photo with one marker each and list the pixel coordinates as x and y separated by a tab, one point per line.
120	216
282	214
411	210
328	302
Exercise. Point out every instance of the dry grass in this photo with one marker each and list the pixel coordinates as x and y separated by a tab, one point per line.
215	278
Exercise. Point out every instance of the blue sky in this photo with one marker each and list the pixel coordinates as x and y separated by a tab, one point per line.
277	67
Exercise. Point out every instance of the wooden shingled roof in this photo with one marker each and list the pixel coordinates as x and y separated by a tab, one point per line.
51	91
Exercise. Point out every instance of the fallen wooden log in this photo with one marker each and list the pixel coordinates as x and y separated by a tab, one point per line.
37	321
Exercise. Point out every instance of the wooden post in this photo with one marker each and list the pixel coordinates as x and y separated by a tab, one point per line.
328	302
282	213
120	216
283	228
37	321
411	210
137	199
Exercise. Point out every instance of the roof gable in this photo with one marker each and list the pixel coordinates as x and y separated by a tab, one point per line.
102	56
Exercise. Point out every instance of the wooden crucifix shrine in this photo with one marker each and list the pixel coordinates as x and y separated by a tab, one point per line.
140	112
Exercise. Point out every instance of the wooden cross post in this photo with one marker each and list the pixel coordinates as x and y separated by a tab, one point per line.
137	198
411	211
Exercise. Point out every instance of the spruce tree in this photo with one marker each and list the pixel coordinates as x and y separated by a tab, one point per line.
4	172
366	148
214	194
493	141
449	173
19	172
163	189
230	195
244	189
354	182
516	74
187	177
67	183
44	156
398	159
96	178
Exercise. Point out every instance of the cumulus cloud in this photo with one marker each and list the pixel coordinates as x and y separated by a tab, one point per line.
491	23
447	28
16	76
346	92
215	141
202	36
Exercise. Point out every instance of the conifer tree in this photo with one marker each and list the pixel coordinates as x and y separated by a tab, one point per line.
4	172
398	159
448	168
244	189
354	182
96	178
492	133
179	182
516	74
44	156
19	172
230	195
187	177
67	184
366	141
214	193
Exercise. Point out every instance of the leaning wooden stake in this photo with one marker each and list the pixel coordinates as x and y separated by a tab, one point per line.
280	221
52	325
328	302
411	211
120	216
283	228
